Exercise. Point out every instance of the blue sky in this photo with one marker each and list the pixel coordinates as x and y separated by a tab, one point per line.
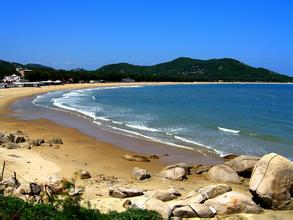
90	33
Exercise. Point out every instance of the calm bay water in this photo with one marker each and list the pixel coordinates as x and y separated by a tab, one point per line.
241	119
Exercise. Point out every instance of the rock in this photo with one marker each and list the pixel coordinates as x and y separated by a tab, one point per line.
55	184
202	169
35	188
193	210
149	204
75	191
154	157
24	189
124	193
243	164
140	174
194	197
10	145
212	191
157	205
163	195
233	202
19	139
25	145
271	182
36	142
229	157
223	173
56	141
85	175
11	182
135	158
176	172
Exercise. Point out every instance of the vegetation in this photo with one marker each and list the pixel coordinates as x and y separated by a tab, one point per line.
180	69
15	208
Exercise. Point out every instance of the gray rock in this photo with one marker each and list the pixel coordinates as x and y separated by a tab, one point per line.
163	195
137	158
212	191
223	173
124	192
233	202
177	172
35	188
271	182
193	210
140	174
243	164
10	145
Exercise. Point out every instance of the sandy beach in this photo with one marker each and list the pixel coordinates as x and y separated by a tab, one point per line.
83	152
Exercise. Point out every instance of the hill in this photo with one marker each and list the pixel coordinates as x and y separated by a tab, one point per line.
187	69
179	70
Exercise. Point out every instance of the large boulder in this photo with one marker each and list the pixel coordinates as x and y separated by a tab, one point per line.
137	158
193	210
124	193
212	191
150	204
233	202
223	173
176	172
140	174
271	182
243	164
163	195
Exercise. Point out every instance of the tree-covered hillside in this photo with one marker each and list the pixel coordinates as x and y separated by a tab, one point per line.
180	69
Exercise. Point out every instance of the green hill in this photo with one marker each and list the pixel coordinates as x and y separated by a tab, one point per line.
180	69
187	69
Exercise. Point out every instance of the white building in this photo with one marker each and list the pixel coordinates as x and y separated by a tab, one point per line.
11	79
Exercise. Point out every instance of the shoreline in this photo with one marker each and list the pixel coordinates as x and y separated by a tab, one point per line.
48	129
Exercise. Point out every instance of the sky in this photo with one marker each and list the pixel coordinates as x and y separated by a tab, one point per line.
90	33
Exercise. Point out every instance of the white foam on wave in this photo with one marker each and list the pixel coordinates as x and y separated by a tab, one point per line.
141	127
228	130
117	122
84	112
93	97
98	123
102	118
151	138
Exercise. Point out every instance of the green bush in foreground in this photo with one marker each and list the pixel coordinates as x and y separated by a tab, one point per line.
15	208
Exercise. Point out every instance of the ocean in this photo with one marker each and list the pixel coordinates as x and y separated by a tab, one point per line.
249	119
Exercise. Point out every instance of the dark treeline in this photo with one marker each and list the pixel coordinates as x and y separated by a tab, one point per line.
178	70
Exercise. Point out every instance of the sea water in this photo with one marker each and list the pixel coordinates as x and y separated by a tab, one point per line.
227	118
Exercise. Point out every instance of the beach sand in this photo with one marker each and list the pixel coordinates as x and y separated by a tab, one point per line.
81	152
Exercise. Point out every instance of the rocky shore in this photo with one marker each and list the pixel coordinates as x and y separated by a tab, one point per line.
242	184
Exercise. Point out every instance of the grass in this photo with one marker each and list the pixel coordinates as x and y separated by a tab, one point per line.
15	208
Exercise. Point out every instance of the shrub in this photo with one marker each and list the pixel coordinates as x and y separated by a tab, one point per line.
15	208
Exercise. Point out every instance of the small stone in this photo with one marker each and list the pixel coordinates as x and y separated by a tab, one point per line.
85	175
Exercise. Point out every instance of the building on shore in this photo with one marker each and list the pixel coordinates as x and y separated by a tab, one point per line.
127	80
